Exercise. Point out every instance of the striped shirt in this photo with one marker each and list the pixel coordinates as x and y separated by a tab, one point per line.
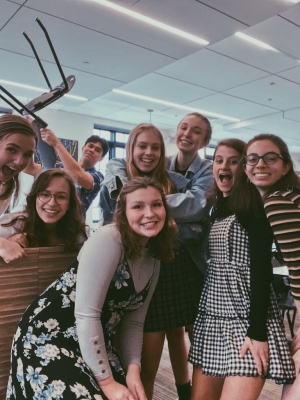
283	212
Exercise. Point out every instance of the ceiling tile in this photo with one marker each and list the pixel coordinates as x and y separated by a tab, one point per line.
283	94
212	71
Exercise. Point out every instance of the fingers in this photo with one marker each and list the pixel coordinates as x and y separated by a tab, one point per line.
243	350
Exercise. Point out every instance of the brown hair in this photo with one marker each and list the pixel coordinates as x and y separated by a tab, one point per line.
214	194
10	124
69	228
208	125
160	246
159	171
290	179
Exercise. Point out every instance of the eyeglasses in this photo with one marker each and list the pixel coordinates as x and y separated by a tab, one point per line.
60	198
268	158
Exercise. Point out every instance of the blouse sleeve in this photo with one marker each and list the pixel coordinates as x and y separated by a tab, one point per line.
283	213
98	261
260	248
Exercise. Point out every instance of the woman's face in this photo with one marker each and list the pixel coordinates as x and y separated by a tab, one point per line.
16	151
263	175
191	134
146	151
47	207
225	167
145	213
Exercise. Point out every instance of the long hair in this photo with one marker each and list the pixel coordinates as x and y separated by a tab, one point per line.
208	132
160	246
214	195
159	171
290	179
68	228
10	124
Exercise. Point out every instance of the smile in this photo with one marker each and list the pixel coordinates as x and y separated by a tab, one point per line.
261	175
50	212
185	141
147	160
149	224
9	170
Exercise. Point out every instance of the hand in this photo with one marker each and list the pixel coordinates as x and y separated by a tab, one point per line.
173	226
10	251
49	137
114	390
134	383
260	353
19	238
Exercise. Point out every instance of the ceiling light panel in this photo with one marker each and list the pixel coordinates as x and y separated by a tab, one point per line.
255	41
153	22
170	104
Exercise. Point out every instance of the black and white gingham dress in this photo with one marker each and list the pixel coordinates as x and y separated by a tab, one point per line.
223	316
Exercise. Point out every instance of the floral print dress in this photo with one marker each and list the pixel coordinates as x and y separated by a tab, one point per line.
46	362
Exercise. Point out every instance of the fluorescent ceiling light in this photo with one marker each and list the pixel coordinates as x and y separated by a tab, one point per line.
37	89
255	41
153	22
168	103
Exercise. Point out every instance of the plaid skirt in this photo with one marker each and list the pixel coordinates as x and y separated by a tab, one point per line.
176	297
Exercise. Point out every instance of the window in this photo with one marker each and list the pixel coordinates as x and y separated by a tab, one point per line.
5	111
117	139
209	152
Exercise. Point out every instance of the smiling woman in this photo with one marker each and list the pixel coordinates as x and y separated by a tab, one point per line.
18	140
82	336
52	215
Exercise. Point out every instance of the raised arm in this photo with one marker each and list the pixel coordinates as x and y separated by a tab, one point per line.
71	166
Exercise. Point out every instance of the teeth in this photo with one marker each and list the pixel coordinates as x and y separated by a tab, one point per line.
149	224
50	211
261	174
185	141
146	160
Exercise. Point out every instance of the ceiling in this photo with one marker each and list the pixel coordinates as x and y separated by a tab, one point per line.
107	50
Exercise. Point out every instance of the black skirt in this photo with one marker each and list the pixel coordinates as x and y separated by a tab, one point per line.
176	297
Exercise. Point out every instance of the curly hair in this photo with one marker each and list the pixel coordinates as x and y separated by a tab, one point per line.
159	171
162	245
68	228
10	124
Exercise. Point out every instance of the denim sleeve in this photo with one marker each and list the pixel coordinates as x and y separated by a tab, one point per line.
191	205
107	205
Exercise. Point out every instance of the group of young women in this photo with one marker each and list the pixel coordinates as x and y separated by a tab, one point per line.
139	279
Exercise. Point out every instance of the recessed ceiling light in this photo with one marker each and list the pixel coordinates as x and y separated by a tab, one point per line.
168	103
37	89
152	21
255	41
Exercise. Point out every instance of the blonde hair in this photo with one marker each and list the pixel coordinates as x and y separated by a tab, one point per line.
159	172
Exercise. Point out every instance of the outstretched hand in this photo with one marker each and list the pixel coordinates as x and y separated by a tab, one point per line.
260	353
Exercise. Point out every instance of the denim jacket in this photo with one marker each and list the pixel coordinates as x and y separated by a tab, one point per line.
188	206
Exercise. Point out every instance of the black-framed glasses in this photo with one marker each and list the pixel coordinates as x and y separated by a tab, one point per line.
60	198
268	158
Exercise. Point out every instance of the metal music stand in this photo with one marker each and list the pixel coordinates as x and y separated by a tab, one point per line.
42	101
